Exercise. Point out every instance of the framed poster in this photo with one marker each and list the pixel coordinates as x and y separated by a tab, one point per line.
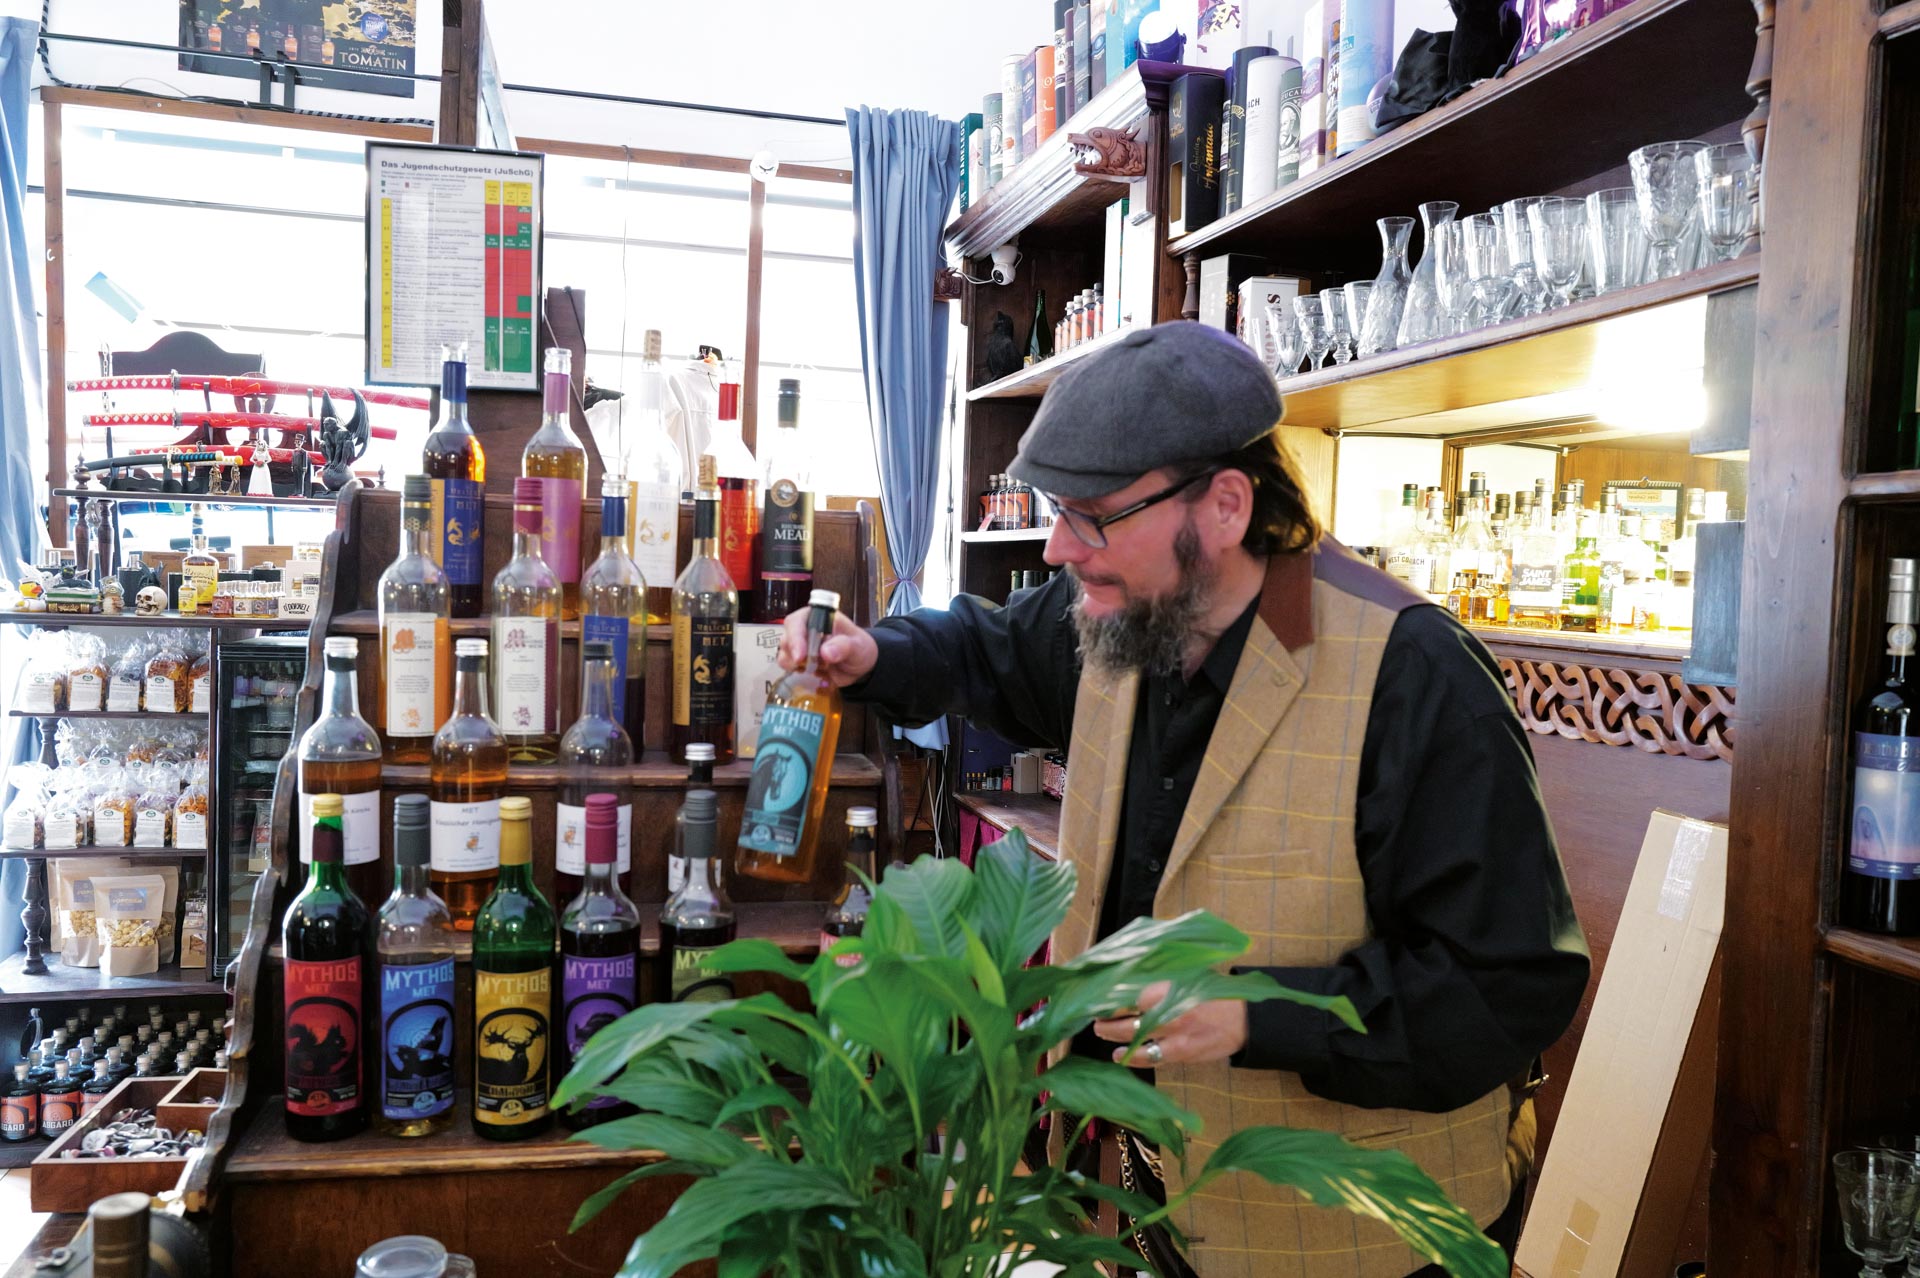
453	257
1660	500
354	35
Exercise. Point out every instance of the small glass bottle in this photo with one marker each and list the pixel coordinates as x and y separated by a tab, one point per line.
699	777
416	674
556	460
413	956
526	638
513	992
59	1101
97	1087
793	763
468	775
595	758
199	572
20	1107
847	916
599	954
697	919
705	608
340	754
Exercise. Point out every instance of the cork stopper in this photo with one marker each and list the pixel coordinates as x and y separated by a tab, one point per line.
652	346
709	472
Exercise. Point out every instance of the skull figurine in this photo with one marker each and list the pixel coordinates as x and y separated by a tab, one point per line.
150	602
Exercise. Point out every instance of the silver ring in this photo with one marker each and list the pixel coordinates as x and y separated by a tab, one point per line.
1135	1031
1153	1053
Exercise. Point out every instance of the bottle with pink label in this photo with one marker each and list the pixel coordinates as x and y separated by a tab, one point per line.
557	462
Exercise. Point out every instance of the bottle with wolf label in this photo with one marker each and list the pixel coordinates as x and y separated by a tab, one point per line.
413	966
513	992
793	763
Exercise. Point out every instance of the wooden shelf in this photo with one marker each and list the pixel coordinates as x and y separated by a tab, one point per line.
977	538
1885	485
1032	381
1037	815
142	854
265	501
1670	69
162	621
1893	955
1670	647
366	621
172	716
76	982
22	1153
655	772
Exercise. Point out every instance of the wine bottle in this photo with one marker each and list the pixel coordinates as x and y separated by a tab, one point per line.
698	919
468	775
325	938
595	758
599	953
95	1089
457	465
413	955
847	916
555	459
1880	892
613	603
705	608
658	475
59	1101
20	1107
526	638
793	763
739	492
699	777
340	755
513	992
786	520
416	670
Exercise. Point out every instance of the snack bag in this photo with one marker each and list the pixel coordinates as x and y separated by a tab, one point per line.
127	676
86	672
74	900
190	811
127	914
25	823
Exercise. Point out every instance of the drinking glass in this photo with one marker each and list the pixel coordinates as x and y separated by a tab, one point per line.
1387	300
1668	186
1359	297
1334	302
1877	1189
1424	318
1315	334
1619	245
1494	290
1726	177
1453	282
1559	227
1287	346
1513	219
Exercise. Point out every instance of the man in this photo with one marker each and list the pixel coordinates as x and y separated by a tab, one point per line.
1261	725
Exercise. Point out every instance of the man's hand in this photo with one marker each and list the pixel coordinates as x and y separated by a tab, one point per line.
1210	1032
848	655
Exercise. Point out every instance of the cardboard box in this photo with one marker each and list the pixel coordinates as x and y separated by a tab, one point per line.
1255	292
1638	1113
756	668
1220	288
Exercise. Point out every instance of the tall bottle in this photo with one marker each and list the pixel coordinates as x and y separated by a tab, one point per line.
1880	891
325	935
416	667
413	957
786	520
595	758
699	777
457	467
1536	588
698	919
513	992
705	608
1438	548
526	637
658	477
1580	579
599	953
557	461
793	763
468	776
847	916
739	492
1472	548
613	602
199	572
340	755
1404	538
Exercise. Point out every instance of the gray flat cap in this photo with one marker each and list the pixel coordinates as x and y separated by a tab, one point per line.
1167	395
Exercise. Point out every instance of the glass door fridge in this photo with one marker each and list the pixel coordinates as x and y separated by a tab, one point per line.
255	683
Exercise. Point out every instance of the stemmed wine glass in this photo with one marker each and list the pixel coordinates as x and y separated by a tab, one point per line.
1453	283
1359	296
1726	176
1315	332
1668	186
1287	344
1513	220
1559	230
1494	289
1334	302
1877	1189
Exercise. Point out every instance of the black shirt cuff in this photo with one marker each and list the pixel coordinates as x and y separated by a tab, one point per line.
1289	1036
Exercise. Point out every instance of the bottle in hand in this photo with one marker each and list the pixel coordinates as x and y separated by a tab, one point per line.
793	763
340	755
468	775
513	992
526	638
413	964
416	666
847	916
326	937
1880	891
705	608
698	919
599	954
457	467
596	757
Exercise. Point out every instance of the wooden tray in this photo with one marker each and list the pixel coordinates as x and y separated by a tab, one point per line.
190	1106
75	1184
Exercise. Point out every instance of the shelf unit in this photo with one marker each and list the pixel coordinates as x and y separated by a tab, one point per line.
155	621
130	716
1035	815
1032	381
62	982
265	501
996	536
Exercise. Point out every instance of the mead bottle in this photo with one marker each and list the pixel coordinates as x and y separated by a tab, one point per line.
556	459
786	520
793	763
325	936
526	638
513	992
698	919
468	776
416	654
340	755
599	953
613	603
657	475
1880	891
596	757
457	467
847	916
705	608
413	980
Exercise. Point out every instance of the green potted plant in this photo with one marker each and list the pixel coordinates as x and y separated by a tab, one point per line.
921	1066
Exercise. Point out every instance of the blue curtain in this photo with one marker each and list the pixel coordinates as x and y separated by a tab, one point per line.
905	165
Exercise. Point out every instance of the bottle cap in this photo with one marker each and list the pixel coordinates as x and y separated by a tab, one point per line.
652	344
597	650
603	811
789	386
469	647
412	845
700	752
825	599
526	490
865	818
327	805
612	484
700	805
342	646
417	488
559	359
516	808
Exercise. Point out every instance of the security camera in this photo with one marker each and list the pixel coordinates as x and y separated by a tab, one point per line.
1005	258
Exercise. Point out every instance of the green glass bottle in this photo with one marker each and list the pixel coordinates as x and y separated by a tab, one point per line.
327	937
513	992
1040	336
1580	579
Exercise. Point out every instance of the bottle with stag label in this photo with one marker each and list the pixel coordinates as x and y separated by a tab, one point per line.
326	937
786	519
705	608
657	476
416	666
340	754
793	763
698	919
513	992
613	603
413	956
557	461
1880	891
526	638
596	756
599	954
457	467
468	776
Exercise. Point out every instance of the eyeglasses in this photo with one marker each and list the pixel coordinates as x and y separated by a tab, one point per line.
1092	529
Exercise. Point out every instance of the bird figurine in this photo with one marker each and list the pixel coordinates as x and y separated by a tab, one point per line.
1003	353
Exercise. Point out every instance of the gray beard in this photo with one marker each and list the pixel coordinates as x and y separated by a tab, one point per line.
1151	635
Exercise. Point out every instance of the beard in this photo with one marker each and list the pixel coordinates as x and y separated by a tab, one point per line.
1151	635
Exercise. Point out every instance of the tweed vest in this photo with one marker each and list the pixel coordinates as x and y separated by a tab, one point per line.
1267	844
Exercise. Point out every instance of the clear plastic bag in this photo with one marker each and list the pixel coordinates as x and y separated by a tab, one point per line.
127	676
169	690
113	809
43	683
25	820
86	672
153	807
190	811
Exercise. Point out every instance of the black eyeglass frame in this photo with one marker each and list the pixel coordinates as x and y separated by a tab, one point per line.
1092	529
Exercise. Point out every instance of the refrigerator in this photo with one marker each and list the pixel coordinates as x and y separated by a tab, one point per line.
256	682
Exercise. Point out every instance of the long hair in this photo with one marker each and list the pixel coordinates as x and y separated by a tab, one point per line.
1282	522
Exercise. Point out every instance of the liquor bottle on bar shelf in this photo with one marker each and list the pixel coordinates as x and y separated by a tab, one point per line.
513	992
1580	578
697	919
340	755
793	763
657	477
847	916
556	459
1403	533
699	777
739	493
526	638
416	653
1437	548
705	609
613	602
457	467
599	954
1536	590
1472	549
199	572
326	938
413	965
468	776
786	521
596	756
1880	891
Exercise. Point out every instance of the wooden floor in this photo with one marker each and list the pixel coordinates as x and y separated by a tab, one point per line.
18	1220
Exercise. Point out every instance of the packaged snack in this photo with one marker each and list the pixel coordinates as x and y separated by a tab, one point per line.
167	923
126	676
113	811
260	847
190	811
24	824
43	684
193	931
200	678
86	672
73	900
168	688
153	807
68	818
127	914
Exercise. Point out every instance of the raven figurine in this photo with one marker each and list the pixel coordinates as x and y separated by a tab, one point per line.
1003	353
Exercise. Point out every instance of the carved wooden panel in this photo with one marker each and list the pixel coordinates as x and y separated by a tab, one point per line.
1655	711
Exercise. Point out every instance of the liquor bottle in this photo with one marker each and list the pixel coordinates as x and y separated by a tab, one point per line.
599	952
59	1102
1880	891
1535	590
697	919
1438	547
413	957
780	828
199	572
96	1088
340	755
526	638
468	775
1580	578
704	610
1472	547
20	1107
1403	533
847	916
739	493
699	777
513	991
595	758
786	520
416	672
326	938
658	476
457	467
555	459
613	603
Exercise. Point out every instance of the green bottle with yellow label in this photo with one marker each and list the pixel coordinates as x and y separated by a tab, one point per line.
513	992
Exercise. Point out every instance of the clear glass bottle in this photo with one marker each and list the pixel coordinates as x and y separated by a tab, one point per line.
1402	532
699	777
596	757
697	919
413	955
786	518
416	670
1439	548
793	763
705	608
613	604
599	954
1387	302
513	992
456	465
467	778
1580	579
526	638
199	572
847	916
326	937
1535	590
556	459
1472	548
656	475
340	754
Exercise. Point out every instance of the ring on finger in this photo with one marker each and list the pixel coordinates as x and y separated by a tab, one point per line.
1154	1053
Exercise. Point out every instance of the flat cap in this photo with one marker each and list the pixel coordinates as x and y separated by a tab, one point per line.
1168	395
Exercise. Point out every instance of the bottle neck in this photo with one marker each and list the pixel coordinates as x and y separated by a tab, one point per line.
343	698
598	700
412	880
329	875
613	525
516	876
413	529
469	688
705	543
526	535
599	878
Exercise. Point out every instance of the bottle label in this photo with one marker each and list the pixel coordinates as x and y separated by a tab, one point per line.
359	827
656	532
786	531
416	1039
570	839
595	992
189	829
1886	807
702	671
736	531
521	659
611	630
465	836
1400	563
1535	585
694	981
84	691
323	1036
560	527
783	764
457	517
827	940
123	694
407	645
511	1011
19	1116
59	1111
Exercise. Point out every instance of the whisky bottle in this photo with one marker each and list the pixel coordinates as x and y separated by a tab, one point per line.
847	916
457	467
1472	549
416	653
59	1101
97	1087
599	953
413	957
658	476
1580	578
1403	535
325	937
793	763
596	757
698	919
199	573
613	603
786	519
468	775
526	638
1535	591
513	992
555	459
699	777
340	755
705	608
1880	891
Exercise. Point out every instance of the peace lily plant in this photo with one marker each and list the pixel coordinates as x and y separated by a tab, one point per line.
926	1043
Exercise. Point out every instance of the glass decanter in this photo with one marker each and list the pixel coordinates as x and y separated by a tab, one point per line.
1388	297
1424	318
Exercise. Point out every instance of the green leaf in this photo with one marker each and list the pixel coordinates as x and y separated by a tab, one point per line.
1188	993
932	893
765	1096
600	1199
672	1137
888	929
755	954
1081	1086
778	1042
1022	896
639	1032
751	1253
693	1228
985	975
1195	939
663	1087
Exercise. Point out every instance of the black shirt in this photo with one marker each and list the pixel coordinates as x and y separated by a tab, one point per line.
1475	963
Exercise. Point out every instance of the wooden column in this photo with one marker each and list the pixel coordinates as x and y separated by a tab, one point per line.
461	46
56	281
750	375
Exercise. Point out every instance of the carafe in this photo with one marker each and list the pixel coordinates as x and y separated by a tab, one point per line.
1424	319
1381	331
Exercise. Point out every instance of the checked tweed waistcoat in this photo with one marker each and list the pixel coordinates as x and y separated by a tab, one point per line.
1266	843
